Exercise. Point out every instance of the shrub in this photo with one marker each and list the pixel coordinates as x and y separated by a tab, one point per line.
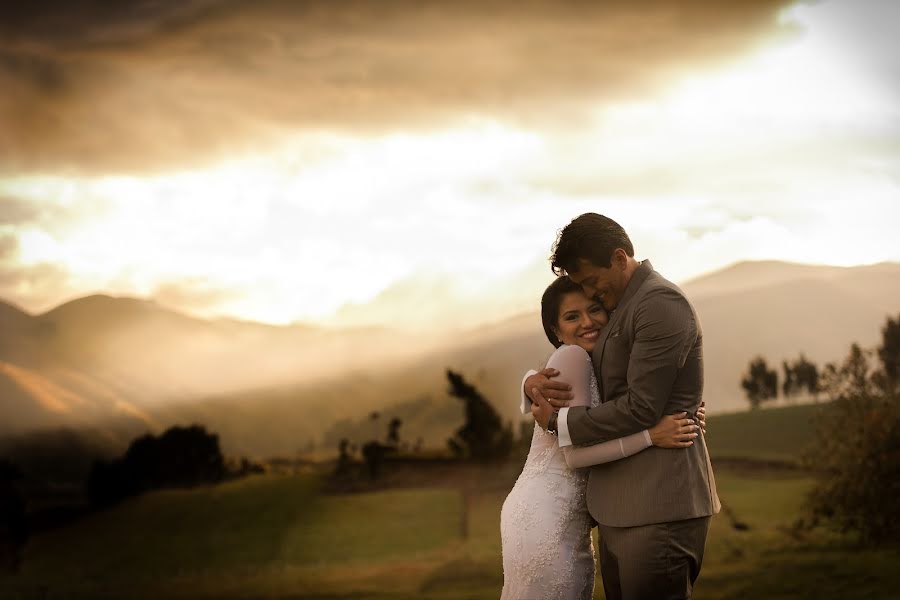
856	454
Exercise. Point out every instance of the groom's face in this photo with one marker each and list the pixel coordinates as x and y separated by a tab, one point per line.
606	285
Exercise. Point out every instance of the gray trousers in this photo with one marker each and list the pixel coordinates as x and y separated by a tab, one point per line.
652	562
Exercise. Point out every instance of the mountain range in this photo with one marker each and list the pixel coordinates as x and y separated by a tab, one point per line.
119	366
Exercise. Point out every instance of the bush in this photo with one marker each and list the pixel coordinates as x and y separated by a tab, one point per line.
856	453
180	457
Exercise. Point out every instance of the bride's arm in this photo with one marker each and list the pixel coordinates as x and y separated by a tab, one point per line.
574	366
525	402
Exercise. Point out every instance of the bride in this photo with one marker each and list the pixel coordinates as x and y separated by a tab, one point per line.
545	527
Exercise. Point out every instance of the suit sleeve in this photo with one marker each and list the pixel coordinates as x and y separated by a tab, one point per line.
665	331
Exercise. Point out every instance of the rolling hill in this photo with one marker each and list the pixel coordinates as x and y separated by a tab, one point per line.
269	390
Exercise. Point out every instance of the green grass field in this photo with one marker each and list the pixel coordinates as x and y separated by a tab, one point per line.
278	536
776	434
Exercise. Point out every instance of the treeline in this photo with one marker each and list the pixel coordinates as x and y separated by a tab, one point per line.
760	383
801	376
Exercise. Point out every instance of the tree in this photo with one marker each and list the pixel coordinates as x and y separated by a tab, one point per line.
393	437
760	383
180	457
13	526
344	459
889	352
373	453
799	376
856	453
789	386
482	435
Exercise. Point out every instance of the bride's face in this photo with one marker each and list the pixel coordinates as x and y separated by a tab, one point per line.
580	321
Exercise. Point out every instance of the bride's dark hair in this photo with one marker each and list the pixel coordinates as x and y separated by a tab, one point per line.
550	302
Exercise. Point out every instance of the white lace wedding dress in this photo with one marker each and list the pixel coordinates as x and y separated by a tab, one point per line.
545	527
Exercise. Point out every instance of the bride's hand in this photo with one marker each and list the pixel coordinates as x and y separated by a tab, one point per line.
701	417
674	431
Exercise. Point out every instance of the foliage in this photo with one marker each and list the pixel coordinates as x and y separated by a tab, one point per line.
180	457
760	383
393	436
13	527
344	459
799	376
374	453
889	352
856	451
482	435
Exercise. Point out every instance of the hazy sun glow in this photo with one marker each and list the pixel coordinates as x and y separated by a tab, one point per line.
774	155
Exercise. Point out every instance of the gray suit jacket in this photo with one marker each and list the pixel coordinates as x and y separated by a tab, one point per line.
649	363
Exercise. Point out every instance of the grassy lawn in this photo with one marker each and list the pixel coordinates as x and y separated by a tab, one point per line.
776	434
270	535
278	536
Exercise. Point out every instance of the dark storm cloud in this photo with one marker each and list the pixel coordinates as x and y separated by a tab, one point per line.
63	24
139	86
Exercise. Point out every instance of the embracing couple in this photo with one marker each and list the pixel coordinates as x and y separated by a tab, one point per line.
625	450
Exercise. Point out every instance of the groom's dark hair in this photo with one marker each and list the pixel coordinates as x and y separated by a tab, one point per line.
591	237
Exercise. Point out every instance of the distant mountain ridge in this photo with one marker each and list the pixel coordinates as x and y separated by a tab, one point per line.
269	389
101	358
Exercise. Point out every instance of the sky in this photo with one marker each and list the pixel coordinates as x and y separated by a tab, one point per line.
408	164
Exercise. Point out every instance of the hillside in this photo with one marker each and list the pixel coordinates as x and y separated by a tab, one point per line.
818	311
270	390
779	434
102	357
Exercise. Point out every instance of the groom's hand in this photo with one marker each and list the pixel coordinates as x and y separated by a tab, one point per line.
557	393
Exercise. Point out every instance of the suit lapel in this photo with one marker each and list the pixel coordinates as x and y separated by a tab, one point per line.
640	275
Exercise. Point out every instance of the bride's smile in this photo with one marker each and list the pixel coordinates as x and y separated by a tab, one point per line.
580	320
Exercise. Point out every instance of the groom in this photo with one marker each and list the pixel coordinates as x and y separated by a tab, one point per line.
652	508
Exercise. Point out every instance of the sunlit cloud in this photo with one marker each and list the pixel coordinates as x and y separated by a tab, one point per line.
778	152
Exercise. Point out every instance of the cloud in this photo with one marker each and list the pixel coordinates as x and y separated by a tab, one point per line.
9	245
138	87
443	302
38	287
18	211
192	295
865	31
